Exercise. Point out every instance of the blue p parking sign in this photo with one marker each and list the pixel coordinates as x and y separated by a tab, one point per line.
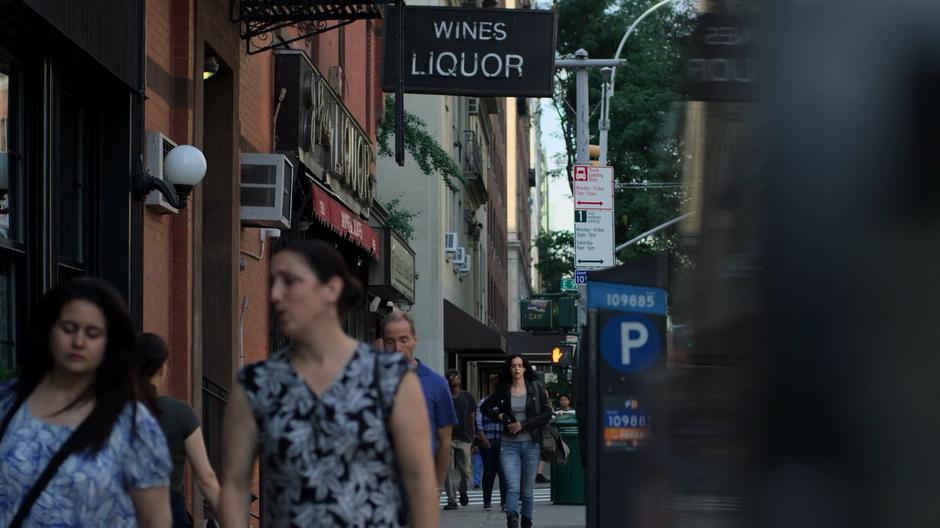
630	343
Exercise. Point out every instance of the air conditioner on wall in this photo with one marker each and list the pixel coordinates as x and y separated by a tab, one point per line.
464	266
158	146
459	255
266	184
450	242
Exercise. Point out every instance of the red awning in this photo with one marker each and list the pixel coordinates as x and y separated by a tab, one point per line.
344	222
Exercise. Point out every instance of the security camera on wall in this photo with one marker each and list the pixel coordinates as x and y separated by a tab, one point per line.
374	305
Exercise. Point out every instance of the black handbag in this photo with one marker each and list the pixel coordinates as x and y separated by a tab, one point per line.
553	448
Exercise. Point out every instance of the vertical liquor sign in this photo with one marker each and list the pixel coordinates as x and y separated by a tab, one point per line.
593	217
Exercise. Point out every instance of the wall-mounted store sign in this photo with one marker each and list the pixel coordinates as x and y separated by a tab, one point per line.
460	51
344	222
393	276
728	61
315	126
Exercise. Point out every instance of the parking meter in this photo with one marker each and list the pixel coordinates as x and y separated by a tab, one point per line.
623	379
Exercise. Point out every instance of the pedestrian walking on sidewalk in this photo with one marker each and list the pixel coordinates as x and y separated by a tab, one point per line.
181	427
78	446
461	468
331	418
489	435
400	335
521	404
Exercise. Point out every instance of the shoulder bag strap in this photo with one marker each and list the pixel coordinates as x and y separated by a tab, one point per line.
66	449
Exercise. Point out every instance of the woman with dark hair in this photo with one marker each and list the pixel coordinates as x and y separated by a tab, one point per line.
333	420
181	427
521	404
77	446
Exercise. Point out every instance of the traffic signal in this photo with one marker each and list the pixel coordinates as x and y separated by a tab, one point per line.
563	354
594	155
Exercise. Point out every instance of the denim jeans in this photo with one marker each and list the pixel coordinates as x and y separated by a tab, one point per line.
520	461
492	468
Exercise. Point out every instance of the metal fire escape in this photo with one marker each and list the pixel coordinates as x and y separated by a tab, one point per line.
261	20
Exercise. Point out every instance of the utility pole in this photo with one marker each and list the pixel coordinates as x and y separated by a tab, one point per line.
581	63
603	122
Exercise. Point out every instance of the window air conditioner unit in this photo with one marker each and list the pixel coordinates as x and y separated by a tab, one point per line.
450	242
464	266
459	255
473	105
158	146
266	184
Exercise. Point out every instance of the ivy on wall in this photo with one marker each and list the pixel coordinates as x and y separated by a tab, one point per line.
400	220
427	152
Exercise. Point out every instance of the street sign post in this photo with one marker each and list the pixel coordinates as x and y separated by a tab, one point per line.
568	284
593	217
593	239
593	188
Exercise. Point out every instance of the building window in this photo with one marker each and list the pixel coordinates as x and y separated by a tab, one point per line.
72	168
12	249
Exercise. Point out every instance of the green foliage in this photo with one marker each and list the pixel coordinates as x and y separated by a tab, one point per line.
556	257
641	147
560	386
400	219
428	154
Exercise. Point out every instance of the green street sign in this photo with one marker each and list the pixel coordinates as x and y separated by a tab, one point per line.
567	284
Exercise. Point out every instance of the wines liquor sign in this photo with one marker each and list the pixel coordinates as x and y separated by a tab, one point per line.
461	51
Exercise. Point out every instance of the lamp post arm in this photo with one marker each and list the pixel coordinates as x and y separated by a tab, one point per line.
146	182
613	74
637	238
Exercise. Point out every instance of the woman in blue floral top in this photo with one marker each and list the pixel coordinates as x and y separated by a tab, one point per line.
78	387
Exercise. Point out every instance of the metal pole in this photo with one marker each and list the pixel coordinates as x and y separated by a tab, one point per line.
636	239
613	75
400	87
603	123
581	79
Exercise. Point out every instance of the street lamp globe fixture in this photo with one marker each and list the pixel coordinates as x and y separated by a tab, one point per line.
184	168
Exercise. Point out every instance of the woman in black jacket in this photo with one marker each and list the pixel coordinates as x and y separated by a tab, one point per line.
521	404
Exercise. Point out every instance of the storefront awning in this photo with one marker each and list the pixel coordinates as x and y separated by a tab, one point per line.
465	335
343	221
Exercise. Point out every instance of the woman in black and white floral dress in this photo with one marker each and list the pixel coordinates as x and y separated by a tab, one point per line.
331	418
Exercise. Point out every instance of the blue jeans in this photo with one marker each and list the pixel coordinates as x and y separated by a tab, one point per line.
520	461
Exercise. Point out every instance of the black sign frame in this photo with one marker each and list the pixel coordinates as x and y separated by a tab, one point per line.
525	35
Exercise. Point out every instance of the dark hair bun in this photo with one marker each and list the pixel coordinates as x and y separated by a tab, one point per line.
351	296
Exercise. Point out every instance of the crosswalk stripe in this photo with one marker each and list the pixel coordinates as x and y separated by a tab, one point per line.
476	496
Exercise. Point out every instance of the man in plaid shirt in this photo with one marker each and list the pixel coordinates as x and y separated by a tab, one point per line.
489	434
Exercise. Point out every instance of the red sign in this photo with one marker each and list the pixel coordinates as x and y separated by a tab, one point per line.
343	221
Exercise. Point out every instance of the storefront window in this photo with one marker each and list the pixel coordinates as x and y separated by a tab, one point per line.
72	169
8	157
7	313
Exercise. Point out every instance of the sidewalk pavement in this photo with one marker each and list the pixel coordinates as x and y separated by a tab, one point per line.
547	515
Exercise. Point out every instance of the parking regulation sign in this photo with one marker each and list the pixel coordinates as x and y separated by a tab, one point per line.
630	343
